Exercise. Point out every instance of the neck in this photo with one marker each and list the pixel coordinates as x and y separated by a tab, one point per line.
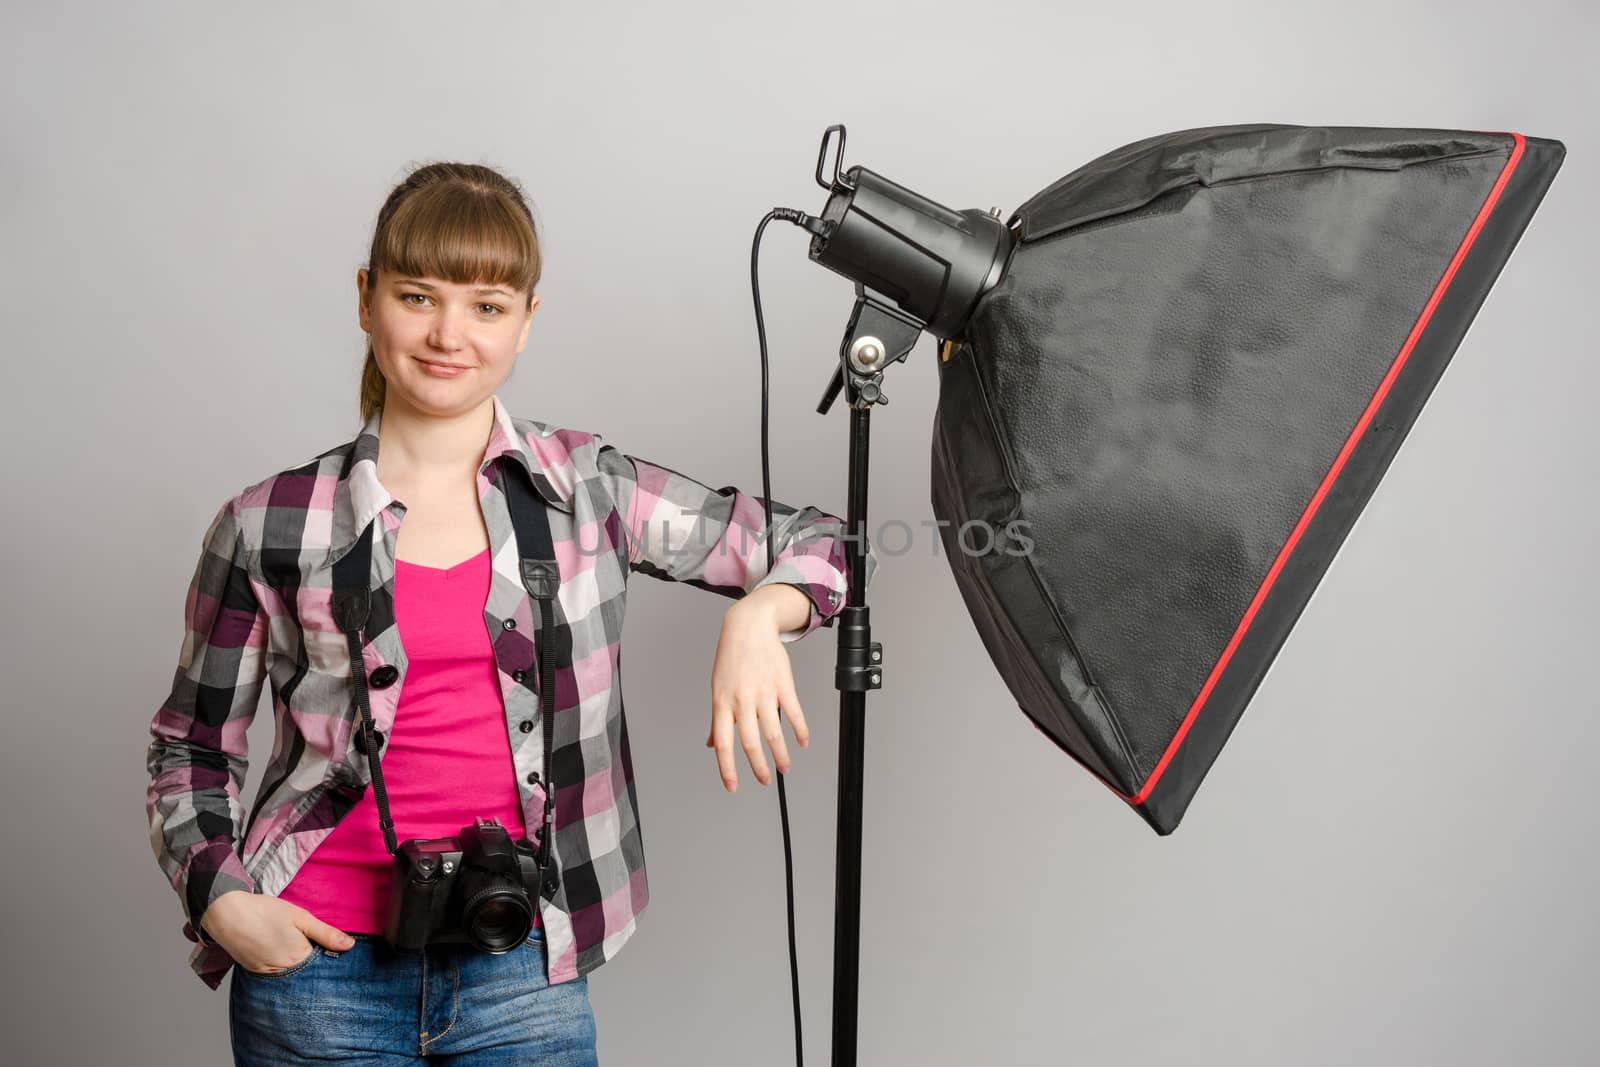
420	445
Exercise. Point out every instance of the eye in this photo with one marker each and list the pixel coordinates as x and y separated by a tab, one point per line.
494	309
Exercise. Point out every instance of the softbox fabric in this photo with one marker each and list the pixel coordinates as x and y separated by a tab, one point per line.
1164	419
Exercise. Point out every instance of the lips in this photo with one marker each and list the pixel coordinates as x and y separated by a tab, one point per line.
444	370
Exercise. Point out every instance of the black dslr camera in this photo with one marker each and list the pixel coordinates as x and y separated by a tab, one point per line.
477	888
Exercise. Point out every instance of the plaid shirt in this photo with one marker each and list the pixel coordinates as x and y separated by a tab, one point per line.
258	607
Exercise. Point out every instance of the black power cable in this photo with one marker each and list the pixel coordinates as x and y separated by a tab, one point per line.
820	228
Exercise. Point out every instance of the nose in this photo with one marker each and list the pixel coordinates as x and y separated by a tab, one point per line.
447	334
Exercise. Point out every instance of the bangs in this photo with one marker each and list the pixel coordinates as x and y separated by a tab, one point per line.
464	235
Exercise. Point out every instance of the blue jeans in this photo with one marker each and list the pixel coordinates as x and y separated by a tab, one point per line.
377	1006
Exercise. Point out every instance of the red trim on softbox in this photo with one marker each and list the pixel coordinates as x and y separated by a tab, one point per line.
1333	473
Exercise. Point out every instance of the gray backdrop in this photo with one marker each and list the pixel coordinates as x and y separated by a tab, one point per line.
1393	862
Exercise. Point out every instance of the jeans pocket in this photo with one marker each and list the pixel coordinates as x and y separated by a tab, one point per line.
293	968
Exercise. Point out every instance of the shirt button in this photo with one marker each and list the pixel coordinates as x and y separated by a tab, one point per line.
517	676
533	779
511	624
526	724
384	676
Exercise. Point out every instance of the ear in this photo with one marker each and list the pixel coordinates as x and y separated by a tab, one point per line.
522	338
363	308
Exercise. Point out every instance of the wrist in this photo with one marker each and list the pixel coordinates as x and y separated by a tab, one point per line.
220	909
777	604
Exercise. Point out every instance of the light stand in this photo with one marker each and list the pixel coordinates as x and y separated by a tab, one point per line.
942	261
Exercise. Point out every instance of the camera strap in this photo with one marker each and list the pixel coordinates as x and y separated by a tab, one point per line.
530	522
352	576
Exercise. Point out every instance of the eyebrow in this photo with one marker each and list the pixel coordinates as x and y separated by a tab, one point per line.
424	285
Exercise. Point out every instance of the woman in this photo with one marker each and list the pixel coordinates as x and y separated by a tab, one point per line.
446	301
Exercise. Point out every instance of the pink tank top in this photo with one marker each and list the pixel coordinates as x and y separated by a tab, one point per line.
448	757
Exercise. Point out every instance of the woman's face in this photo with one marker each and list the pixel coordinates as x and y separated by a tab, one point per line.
442	346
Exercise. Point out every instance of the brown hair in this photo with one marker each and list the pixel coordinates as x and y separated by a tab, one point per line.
463	222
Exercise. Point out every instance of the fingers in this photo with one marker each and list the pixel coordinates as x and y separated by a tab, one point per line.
756	720
722	740
325	934
752	728
789	700
772	732
335	938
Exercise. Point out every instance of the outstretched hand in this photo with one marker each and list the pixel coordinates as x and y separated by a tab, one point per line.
751	680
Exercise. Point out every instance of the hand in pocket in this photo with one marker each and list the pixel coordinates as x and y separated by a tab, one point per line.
266	935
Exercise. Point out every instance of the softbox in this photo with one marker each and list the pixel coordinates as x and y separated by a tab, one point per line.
1162	421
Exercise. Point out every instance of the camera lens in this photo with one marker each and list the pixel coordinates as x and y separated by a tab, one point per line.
496	912
497	917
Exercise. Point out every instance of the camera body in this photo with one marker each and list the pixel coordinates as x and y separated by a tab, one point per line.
478	888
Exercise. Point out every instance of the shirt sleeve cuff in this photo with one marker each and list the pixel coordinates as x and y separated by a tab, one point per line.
226	875
822	584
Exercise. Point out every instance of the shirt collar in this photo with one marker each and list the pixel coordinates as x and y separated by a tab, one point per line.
359	496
